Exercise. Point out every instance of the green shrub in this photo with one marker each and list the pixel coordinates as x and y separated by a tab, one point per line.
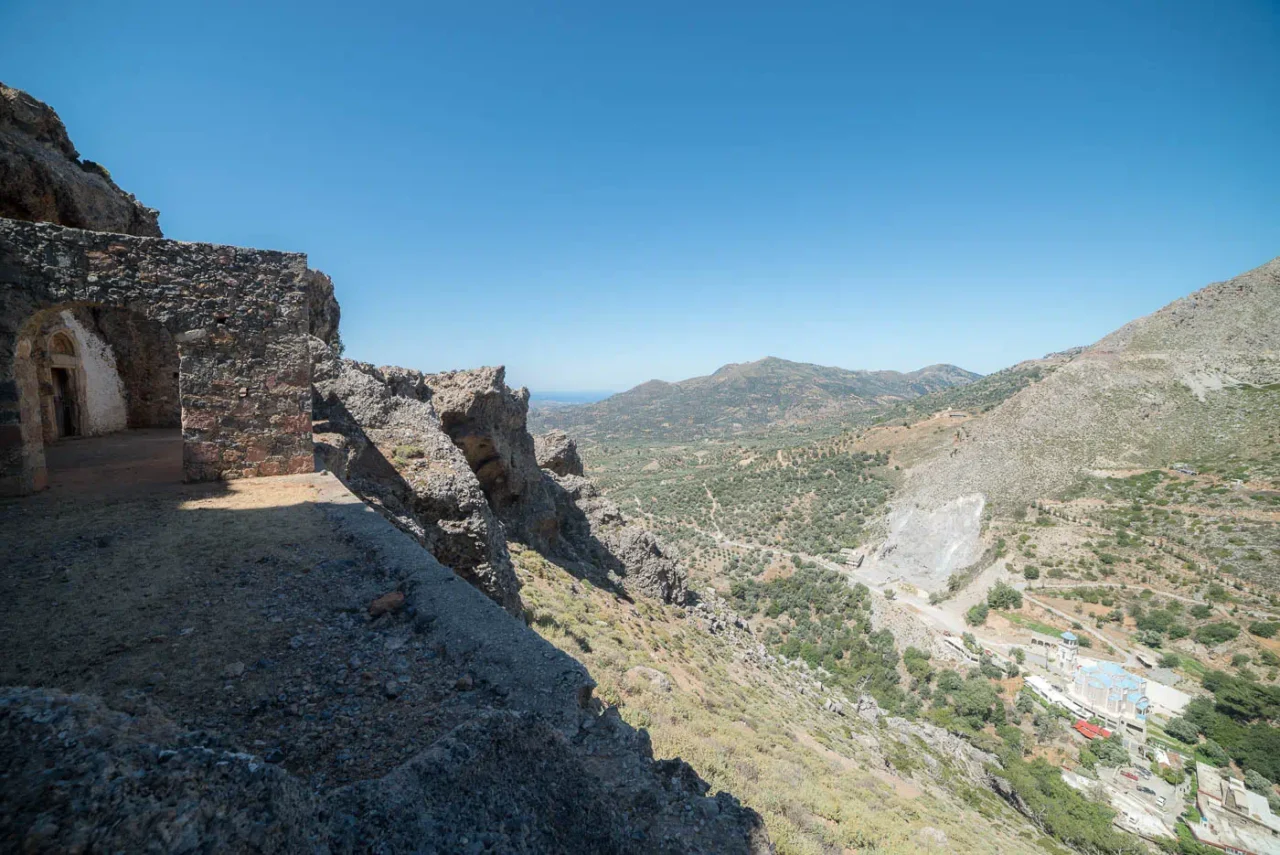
1216	633
1212	753
977	614
1004	596
1264	628
1182	730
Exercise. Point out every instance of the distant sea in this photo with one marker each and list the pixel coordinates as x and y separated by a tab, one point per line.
561	399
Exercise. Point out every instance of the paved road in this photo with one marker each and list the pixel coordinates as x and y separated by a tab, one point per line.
1129	658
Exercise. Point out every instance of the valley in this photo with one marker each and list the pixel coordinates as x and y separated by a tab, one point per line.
1161	556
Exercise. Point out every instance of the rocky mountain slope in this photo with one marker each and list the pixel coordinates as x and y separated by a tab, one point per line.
1199	380
45	180
746	395
339	695
447	457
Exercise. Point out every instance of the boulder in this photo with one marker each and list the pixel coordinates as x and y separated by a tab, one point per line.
43	179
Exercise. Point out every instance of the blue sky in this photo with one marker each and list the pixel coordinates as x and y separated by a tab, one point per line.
595	194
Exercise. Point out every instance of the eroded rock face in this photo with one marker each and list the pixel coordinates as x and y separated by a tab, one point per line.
595	538
557	453
43	179
487	421
322	305
448	458
378	432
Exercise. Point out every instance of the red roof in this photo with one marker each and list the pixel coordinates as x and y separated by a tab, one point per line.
1092	731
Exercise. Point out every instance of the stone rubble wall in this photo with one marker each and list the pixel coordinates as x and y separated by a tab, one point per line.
239	318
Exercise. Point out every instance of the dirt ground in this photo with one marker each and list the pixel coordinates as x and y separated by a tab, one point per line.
231	608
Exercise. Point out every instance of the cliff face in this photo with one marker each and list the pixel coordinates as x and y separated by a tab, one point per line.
45	180
449	459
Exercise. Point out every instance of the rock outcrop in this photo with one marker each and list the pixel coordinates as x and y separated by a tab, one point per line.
488	422
557	453
44	179
448	458
322	306
377	431
596	542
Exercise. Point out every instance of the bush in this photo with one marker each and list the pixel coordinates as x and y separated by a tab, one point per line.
1031	572
1012	736
1066	814
1212	753
1110	751
1201	611
1257	782
1170	660
1216	633
977	615
1182	730
1264	628
1004	596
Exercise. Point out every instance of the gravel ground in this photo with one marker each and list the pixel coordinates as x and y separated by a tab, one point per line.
188	599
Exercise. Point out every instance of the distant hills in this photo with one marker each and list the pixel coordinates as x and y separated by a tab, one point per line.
746	395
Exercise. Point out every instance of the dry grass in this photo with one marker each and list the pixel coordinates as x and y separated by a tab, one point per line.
821	781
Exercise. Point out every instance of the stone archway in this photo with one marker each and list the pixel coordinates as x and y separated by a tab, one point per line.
87	370
235	322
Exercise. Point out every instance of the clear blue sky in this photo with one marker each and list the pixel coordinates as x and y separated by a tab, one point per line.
599	193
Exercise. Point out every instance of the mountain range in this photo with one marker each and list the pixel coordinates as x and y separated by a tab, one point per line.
745	395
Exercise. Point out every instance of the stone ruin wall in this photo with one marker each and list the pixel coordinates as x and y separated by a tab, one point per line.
238	319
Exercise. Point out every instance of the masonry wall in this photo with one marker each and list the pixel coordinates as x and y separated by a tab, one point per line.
238	319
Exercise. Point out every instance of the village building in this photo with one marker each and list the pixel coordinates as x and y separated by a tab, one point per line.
1233	818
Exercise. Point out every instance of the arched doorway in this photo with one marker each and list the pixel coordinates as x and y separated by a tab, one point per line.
240	318
89	371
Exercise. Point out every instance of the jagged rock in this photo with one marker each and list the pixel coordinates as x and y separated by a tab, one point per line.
389	448
449	457
488	421
323	307
43	179
557	453
594	535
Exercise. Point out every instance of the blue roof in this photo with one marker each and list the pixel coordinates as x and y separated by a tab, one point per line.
1110	675
1068	636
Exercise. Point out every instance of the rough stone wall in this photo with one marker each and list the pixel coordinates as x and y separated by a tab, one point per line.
147	361
239	318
